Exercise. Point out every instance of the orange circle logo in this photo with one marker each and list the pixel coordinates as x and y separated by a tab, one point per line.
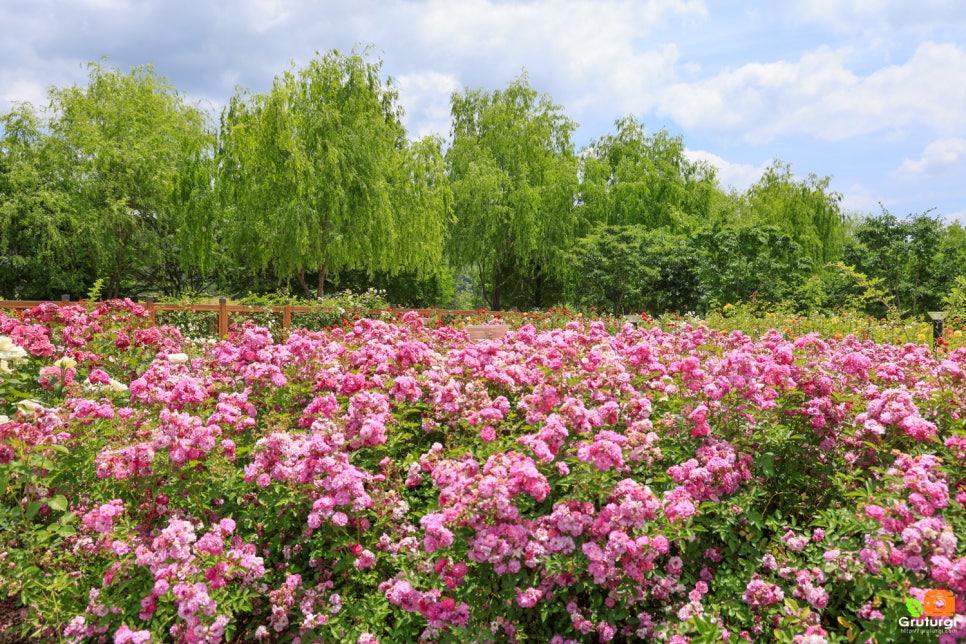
939	603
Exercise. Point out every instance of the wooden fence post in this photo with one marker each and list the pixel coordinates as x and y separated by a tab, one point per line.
152	321
287	315
222	317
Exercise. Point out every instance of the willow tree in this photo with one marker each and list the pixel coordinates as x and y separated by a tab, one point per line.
513	173
41	254
123	142
317	176
806	210
631	178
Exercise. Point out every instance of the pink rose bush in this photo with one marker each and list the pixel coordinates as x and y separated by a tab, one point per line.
388	482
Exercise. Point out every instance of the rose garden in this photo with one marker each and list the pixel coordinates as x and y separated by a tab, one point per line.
389	480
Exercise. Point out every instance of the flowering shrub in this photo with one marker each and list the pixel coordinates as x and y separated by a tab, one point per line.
755	318
331	310
393	482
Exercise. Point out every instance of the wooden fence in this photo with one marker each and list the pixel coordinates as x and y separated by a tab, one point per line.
224	310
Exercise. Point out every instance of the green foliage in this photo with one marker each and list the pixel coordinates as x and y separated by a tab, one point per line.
806	210
314	185
328	311
750	261
125	143
628	178
316	176
757	317
869	293
194	325
97	287
41	248
513	175
630	269
904	254
764	244
951	256
403	289
955	303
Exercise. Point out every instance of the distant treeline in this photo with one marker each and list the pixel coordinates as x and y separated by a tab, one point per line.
316	186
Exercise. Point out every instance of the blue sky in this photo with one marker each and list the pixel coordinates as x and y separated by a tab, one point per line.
870	92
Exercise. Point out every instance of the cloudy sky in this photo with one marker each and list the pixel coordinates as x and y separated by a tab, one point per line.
870	92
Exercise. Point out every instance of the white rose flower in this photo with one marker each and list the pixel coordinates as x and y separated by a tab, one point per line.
177	358
4	419
66	363
10	351
30	406
117	387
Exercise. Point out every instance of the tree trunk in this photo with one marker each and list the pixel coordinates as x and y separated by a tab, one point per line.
538	289
305	287
495	290
114	289
321	286
482	274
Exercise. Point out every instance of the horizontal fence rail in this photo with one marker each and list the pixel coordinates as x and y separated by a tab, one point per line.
225	310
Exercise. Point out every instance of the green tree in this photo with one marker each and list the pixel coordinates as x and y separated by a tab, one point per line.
631	269
317	176
951	260
42	254
738	262
807	211
125	141
513	173
629	178
905	254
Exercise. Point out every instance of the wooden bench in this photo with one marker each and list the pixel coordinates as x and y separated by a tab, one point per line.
486	331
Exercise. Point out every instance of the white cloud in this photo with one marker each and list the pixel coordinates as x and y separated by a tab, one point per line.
818	95
941	156
860	199
426	98
583	53
263	15
849	15
109	5
24	91
959	216
739	176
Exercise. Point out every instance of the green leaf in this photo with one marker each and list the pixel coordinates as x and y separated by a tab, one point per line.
58	503
914	606
32	509
66	531
767	463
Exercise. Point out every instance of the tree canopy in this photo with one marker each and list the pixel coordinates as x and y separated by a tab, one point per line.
39	253
316	182
317	176
513	173
94	188
630	178
125	142
806	210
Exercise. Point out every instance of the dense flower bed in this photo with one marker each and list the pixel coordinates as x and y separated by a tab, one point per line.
389	482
